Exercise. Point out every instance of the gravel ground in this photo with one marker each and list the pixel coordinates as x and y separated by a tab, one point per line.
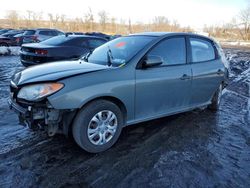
193	149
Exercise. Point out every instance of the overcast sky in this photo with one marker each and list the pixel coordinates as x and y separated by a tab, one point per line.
194	13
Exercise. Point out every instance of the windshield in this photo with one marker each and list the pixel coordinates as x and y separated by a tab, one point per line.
122	50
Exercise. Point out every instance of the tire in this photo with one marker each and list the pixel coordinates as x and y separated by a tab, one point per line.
93	119
3	44
215	103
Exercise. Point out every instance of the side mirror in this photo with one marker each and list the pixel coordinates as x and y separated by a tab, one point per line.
152	61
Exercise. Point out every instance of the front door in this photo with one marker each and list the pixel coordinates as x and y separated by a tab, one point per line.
164	89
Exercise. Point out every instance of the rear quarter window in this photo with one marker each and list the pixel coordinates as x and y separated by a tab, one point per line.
202	50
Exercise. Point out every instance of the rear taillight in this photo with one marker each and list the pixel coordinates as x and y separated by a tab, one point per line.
17	39
34	37
41	52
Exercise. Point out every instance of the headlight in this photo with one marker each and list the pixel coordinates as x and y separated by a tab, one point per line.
38	91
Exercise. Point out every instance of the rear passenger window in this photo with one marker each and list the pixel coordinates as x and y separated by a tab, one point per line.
202	50
54	33
47	33
94	43
29	32
172	51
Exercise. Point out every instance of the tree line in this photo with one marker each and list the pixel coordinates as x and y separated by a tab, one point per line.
102	22
237	29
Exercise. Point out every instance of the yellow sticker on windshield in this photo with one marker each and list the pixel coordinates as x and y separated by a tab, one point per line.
122	65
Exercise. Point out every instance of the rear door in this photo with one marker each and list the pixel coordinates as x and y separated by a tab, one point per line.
165	88
207	69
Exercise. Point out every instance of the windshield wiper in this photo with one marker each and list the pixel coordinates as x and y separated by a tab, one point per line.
109	57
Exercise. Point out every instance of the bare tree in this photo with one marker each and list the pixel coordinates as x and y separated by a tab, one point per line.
244	18
53	19
103	19
129	26
33	19
160	23
28	18
13	18
175	26
113	25
89	20
104	23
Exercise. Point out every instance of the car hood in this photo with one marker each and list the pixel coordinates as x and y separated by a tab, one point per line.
55	71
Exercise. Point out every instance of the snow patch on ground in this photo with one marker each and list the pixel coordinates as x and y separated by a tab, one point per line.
235	43
239	62
244	76
224	91
9	50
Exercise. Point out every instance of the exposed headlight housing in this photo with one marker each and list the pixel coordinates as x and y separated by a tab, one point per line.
38	91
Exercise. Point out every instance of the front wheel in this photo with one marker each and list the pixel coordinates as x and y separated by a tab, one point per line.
214	106
98	126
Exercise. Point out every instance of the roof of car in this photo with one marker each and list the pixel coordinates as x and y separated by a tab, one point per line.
160	34
34	29
83	36
156	34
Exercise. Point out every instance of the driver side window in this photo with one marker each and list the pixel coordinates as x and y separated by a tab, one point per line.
172	51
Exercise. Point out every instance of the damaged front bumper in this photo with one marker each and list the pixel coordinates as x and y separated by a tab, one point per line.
16	107
42	116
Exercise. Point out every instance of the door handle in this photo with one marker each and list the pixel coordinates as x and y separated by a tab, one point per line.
185	77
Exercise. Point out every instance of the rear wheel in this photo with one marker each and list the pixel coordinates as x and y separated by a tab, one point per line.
3	44
97	126
216	99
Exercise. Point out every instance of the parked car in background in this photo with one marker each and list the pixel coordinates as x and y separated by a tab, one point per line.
8	39
18	39
38	35
2	31
4	41
128	80
12	33
59	48
98	34
74	33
